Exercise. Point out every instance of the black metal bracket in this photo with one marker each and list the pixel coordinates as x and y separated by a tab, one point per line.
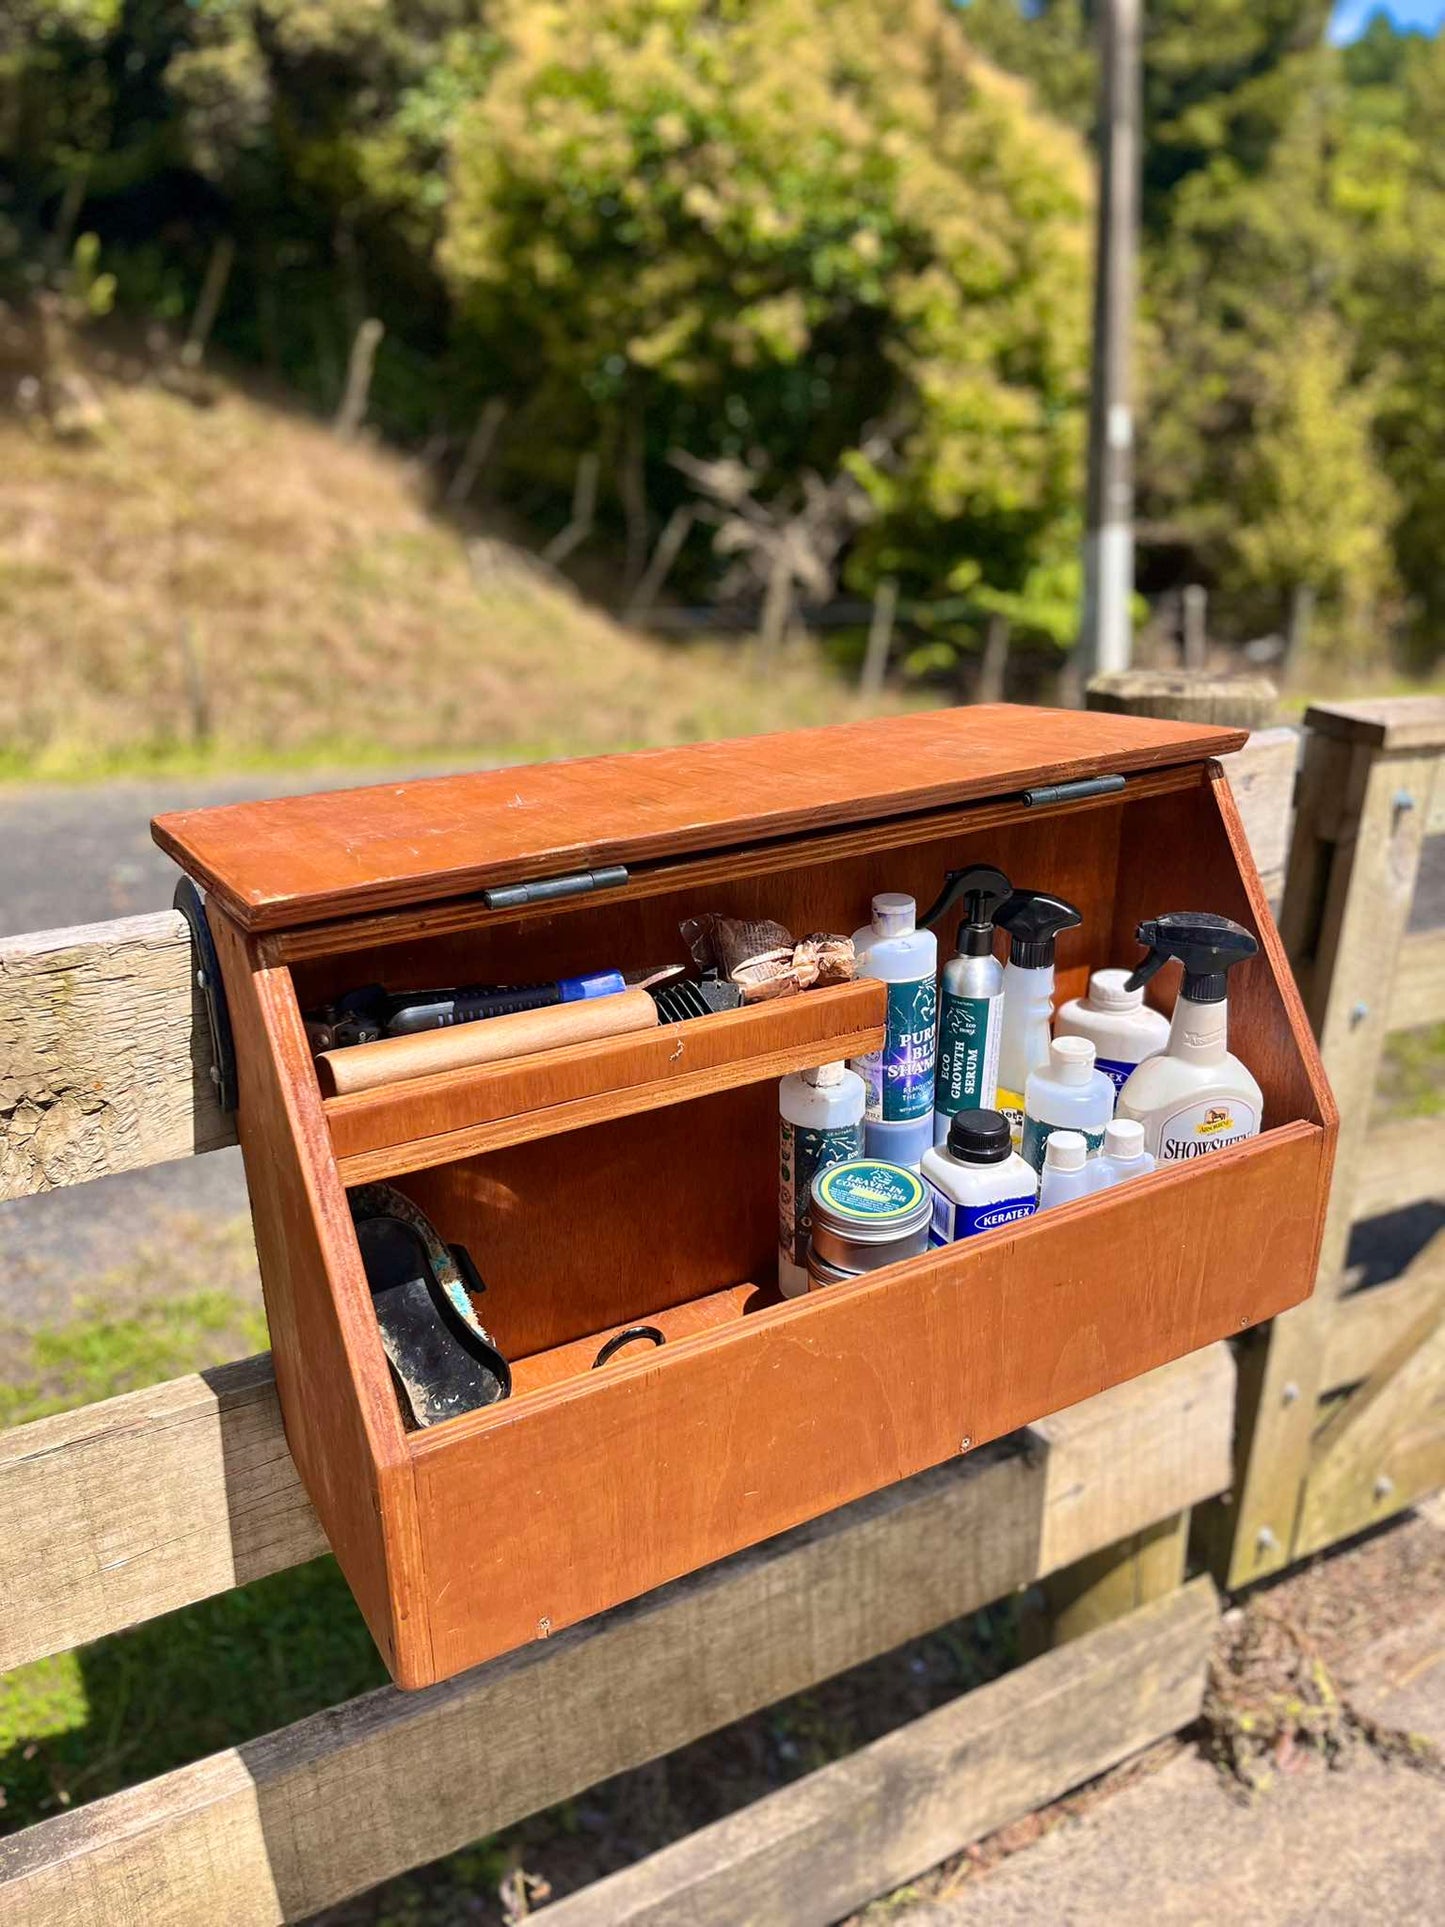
189	902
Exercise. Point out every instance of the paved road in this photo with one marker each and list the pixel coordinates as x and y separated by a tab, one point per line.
72	856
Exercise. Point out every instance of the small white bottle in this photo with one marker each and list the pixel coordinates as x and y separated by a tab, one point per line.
1066	1094
899	1078
821	1123
977	1178
1065	1174
1117	1022
1123	1155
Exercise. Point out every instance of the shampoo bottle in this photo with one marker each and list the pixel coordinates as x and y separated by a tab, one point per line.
970	1005
899	1078
1117	1022
1065	1174
978	1180
1197	1098
821	1113
1066	1094
1033	921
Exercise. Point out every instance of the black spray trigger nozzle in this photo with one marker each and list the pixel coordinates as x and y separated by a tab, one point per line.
1207	945
981	889
1033	920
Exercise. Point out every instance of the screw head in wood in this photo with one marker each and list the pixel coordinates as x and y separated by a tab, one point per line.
1289	1394
965	1443
1384	1486
1358	1013
1264	1540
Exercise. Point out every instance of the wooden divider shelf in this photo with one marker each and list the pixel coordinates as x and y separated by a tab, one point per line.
634	1181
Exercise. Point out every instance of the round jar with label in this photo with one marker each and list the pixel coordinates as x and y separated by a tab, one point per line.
867	1213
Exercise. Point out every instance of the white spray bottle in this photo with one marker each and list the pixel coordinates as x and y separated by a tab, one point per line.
1198	1097
1033	920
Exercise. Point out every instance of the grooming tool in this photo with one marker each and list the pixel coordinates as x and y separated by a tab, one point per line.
443	1358
391	1060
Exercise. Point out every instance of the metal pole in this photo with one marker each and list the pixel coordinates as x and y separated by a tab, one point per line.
1106	635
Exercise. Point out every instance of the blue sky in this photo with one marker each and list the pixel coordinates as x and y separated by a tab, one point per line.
1351	15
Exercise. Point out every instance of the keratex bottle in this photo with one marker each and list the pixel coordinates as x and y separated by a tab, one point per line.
866	1214
1117	1022
1033	921
1197	1098
821	1123
978	1180
1065	1174
899	1078
1066	1093
970	1003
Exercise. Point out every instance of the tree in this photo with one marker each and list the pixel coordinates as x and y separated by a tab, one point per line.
766	224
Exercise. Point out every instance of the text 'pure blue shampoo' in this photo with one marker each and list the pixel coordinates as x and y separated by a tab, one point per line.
899	1078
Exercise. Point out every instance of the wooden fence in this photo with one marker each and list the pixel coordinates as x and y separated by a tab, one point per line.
124	1510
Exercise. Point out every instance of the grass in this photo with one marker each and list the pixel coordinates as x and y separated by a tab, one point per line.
231	587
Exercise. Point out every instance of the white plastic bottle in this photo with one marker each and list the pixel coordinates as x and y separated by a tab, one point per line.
1117	1022
821	1123
1123	1155
1033	921
1065	1174
1066	1094
1198	1097
899	1078
977	1178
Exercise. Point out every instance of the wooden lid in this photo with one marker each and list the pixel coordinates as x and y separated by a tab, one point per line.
300	859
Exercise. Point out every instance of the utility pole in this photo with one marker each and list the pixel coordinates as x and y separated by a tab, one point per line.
1106	635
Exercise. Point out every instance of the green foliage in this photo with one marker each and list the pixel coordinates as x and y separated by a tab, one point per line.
772	225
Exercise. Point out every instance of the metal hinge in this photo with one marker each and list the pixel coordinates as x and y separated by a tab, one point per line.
514	896
1074	792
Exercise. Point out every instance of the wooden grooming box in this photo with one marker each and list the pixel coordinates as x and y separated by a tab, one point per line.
635	1179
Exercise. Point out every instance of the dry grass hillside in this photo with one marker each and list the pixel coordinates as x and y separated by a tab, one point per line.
231	585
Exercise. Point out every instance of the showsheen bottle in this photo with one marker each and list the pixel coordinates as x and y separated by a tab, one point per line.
1198	1098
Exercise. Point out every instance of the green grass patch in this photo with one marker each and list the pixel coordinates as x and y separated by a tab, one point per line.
1411	1082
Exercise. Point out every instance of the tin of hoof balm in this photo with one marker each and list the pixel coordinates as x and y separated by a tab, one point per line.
865	1214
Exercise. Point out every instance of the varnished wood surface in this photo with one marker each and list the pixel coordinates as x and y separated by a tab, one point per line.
626	1478
433	1120
301	859
343	1423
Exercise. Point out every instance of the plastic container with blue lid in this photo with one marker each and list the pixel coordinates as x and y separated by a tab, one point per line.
868	1213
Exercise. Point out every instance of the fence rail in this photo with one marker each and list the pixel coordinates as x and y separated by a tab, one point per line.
124	1510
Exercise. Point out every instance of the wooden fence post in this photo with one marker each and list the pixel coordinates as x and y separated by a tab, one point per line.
1363	804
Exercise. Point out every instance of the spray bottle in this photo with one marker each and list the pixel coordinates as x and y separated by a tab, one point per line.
1198	1097
970	1009
1033	920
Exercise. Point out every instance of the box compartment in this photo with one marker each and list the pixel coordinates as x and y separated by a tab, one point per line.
634	1181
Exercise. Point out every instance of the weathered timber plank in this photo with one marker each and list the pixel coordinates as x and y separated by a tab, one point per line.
119	1511
1418	995
1388	723
1349	1485
1368	1324
1354	856
1402	1163
138	1505
293	1822
833	1841
104	1054
1262	778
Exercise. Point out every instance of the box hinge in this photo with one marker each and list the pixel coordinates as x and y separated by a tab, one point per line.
1051	793
580	883
208	981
